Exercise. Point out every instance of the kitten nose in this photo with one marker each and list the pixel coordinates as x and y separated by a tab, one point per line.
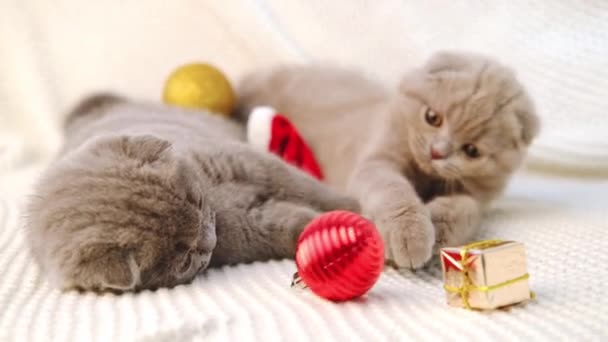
440	150
436	154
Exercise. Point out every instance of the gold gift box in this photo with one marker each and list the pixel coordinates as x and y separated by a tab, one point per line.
493	275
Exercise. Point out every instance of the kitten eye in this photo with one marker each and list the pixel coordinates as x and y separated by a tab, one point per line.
181	247
471	150
433	118
186	265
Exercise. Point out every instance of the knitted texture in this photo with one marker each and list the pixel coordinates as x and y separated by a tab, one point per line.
558	48
561	223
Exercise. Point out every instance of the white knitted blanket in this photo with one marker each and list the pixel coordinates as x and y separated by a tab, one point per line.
563	225
52	52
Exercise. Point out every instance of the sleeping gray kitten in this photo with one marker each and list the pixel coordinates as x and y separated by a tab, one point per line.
145	196
425	158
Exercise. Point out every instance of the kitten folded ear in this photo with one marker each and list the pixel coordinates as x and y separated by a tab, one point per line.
145	148
100	268
440	64
412	82
92	105
454	61
529	120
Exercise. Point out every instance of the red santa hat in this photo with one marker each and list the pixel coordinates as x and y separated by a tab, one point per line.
269	130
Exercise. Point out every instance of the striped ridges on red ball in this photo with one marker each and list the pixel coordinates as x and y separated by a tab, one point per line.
340	255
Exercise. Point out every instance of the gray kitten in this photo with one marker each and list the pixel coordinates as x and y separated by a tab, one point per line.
423	159
145	196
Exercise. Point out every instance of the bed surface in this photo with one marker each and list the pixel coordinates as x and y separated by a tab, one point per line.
557	206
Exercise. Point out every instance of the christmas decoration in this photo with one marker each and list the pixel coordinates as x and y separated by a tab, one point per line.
199	86
485	274
270	131
339	256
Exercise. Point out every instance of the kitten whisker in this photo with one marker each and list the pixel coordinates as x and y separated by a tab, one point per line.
420	141
455	170
448	186
445	186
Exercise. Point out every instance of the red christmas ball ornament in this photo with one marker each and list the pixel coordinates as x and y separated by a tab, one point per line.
339	255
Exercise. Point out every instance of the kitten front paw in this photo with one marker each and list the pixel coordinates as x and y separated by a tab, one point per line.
445	231
456	220
411	237
444	228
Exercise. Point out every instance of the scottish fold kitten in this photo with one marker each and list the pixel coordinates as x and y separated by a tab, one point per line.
145	196
423	159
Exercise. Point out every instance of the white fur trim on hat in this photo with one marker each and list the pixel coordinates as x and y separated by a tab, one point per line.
259	127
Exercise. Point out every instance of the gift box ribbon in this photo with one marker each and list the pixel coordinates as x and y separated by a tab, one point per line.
467	284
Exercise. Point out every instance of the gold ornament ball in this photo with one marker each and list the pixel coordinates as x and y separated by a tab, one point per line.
199	86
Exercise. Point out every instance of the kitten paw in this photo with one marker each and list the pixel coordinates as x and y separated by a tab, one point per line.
456	220
411	237
444	226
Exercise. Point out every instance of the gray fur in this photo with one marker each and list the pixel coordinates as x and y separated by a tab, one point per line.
145	196
375	143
